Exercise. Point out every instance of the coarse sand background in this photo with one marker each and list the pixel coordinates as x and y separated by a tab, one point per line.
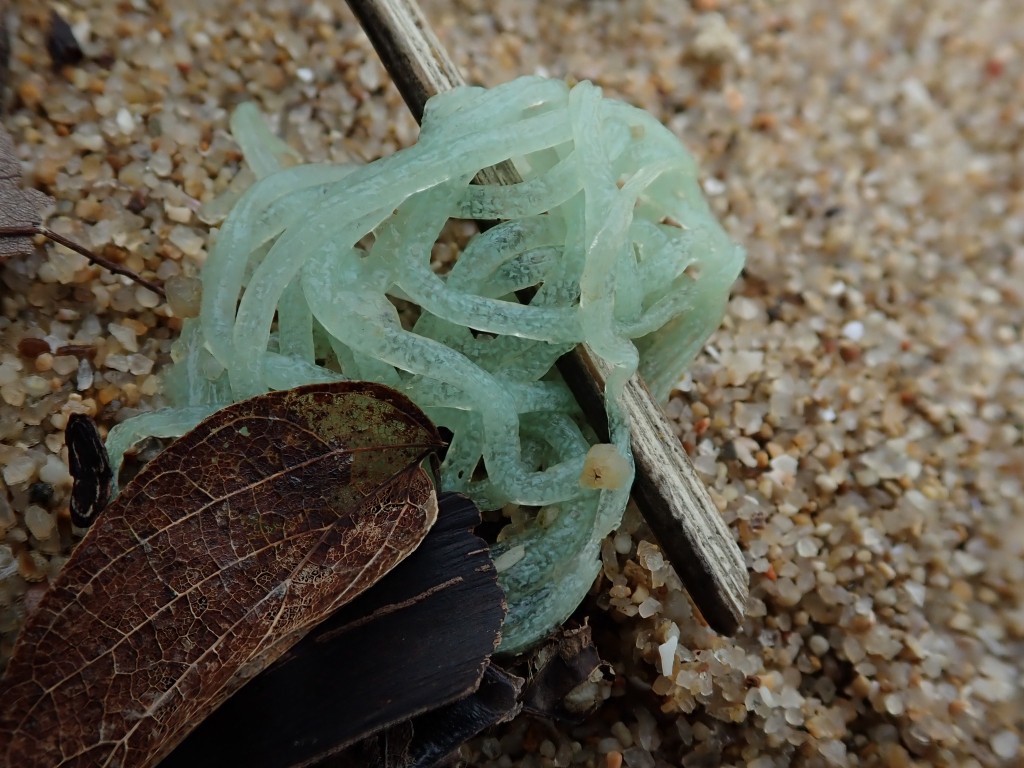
858	416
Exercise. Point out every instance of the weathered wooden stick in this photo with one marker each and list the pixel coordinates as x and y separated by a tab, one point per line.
667	490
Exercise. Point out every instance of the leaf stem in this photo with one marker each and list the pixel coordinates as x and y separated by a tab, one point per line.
31	230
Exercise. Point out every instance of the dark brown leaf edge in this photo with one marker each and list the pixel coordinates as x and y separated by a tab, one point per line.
222	552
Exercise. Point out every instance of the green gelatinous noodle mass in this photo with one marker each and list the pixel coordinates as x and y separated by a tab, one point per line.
610	226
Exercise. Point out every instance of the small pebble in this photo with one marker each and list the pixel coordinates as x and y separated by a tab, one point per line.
19	469
39	522
183	296
1006	744
854	330
54	472
667	655
125	121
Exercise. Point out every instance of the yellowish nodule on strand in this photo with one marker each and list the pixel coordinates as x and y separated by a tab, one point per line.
605	468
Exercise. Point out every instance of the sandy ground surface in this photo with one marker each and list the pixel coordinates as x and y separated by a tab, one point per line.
858	416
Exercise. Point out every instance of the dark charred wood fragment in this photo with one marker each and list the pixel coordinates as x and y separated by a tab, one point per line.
438	734
61	43
433	738
387	749
564	670
90	470
5	54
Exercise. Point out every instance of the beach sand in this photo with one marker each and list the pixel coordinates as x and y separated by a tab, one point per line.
858	417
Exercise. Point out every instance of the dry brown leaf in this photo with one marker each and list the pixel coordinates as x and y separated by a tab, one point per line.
19	207
214	560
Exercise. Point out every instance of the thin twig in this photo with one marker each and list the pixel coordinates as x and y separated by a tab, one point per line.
667	490
31	230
